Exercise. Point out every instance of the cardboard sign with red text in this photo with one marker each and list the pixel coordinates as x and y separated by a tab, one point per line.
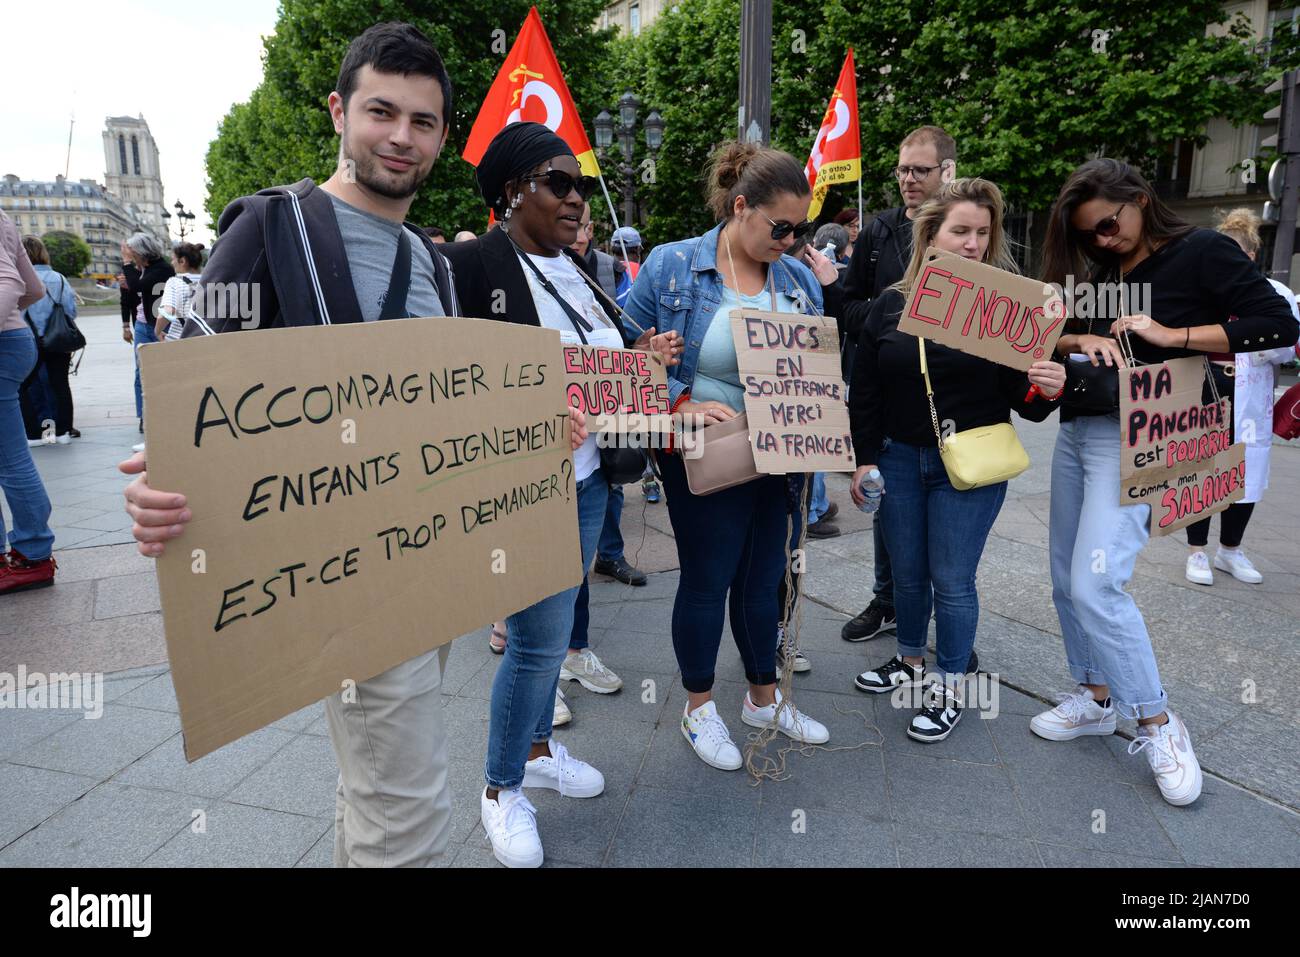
1176	451
620	391
984	311
789	367
362	493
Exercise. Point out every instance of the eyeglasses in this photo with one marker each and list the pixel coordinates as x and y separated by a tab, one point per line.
782	229
561	183
917	173
1106	227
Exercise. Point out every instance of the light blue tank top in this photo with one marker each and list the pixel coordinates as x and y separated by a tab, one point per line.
717	376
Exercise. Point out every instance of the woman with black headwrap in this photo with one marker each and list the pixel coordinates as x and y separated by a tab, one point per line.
523	271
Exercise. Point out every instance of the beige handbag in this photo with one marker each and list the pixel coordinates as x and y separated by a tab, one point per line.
976	457
719	457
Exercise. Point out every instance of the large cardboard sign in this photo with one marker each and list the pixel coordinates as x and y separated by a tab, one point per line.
1176	452
983	310
361	494
794	393
621	391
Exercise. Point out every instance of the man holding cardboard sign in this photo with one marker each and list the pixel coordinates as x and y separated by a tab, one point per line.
325	256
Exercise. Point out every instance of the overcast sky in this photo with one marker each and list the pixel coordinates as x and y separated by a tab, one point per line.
181	65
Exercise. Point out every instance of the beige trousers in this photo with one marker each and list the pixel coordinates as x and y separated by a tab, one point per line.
393	803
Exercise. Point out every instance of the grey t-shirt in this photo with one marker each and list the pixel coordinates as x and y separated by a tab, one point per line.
371	244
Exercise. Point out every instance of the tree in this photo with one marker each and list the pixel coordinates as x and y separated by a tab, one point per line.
69	253
1029	94
283	132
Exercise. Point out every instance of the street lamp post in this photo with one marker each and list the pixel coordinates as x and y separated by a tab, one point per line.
625	128
183	216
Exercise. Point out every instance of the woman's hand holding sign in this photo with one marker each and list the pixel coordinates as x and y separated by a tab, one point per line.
1049	377
159	516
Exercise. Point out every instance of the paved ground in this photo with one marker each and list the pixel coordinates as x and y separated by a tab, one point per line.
116	791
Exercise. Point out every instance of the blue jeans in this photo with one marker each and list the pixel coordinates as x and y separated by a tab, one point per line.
143	335
610	547
1094	543
523	692
936	536
23	489
731	547
820	503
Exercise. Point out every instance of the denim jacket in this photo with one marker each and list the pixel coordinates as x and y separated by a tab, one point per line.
39	312
679	288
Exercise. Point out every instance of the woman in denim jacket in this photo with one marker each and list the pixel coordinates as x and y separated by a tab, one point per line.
732	541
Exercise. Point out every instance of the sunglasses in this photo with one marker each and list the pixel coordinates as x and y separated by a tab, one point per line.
782	229
1106	227
561	183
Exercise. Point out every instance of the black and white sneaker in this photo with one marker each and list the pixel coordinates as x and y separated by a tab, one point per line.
876	619
938	716
895	673
798	663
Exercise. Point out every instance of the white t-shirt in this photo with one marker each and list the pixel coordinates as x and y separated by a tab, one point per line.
563	275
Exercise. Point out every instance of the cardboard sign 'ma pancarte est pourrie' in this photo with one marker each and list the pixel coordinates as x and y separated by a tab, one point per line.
983	310
789	367
361	494
1176	451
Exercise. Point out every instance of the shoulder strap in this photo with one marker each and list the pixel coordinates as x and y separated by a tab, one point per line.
622	313
580	323
929	393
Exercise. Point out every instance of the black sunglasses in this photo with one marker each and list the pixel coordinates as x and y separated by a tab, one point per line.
782	229
561	183
1106	227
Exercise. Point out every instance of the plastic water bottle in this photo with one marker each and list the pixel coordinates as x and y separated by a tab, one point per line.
829	252
872	487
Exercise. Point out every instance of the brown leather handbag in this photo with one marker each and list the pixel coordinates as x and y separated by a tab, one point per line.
719	456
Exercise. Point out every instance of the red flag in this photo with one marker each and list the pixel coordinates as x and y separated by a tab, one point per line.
530	86
837	150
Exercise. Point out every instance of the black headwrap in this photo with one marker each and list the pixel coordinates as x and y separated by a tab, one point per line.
514	151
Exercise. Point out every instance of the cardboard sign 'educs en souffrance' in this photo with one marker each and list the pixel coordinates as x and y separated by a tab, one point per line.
361	494
1176	450
789	366
984	311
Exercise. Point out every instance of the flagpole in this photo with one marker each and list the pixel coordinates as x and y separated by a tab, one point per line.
613	215
859	193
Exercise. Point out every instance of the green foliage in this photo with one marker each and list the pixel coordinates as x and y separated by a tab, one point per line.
283	132
69	253
1028	92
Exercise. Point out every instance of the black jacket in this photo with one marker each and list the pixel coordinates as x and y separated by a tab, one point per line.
879	260
489	278
130	297
262	253
148	286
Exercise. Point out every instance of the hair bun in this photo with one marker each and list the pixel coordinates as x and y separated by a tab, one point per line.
730	161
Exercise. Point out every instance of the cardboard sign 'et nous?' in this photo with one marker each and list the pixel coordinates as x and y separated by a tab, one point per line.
984	311
789	368
1176	450
361	495
620	391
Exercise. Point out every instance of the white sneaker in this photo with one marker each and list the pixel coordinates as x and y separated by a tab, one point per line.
586	669
510	823
33	443
1235	563
1078	714
1169	752
138	447
63	439
793	723
708	735
1198	569
561	772
562	714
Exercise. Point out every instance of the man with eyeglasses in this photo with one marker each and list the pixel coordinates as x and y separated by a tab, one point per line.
927	158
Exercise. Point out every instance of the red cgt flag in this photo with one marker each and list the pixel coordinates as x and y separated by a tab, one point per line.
837	150
530	86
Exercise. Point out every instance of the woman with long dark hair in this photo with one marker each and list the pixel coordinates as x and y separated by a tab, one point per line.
1180	287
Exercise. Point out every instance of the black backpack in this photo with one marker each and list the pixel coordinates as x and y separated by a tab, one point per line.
61	332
